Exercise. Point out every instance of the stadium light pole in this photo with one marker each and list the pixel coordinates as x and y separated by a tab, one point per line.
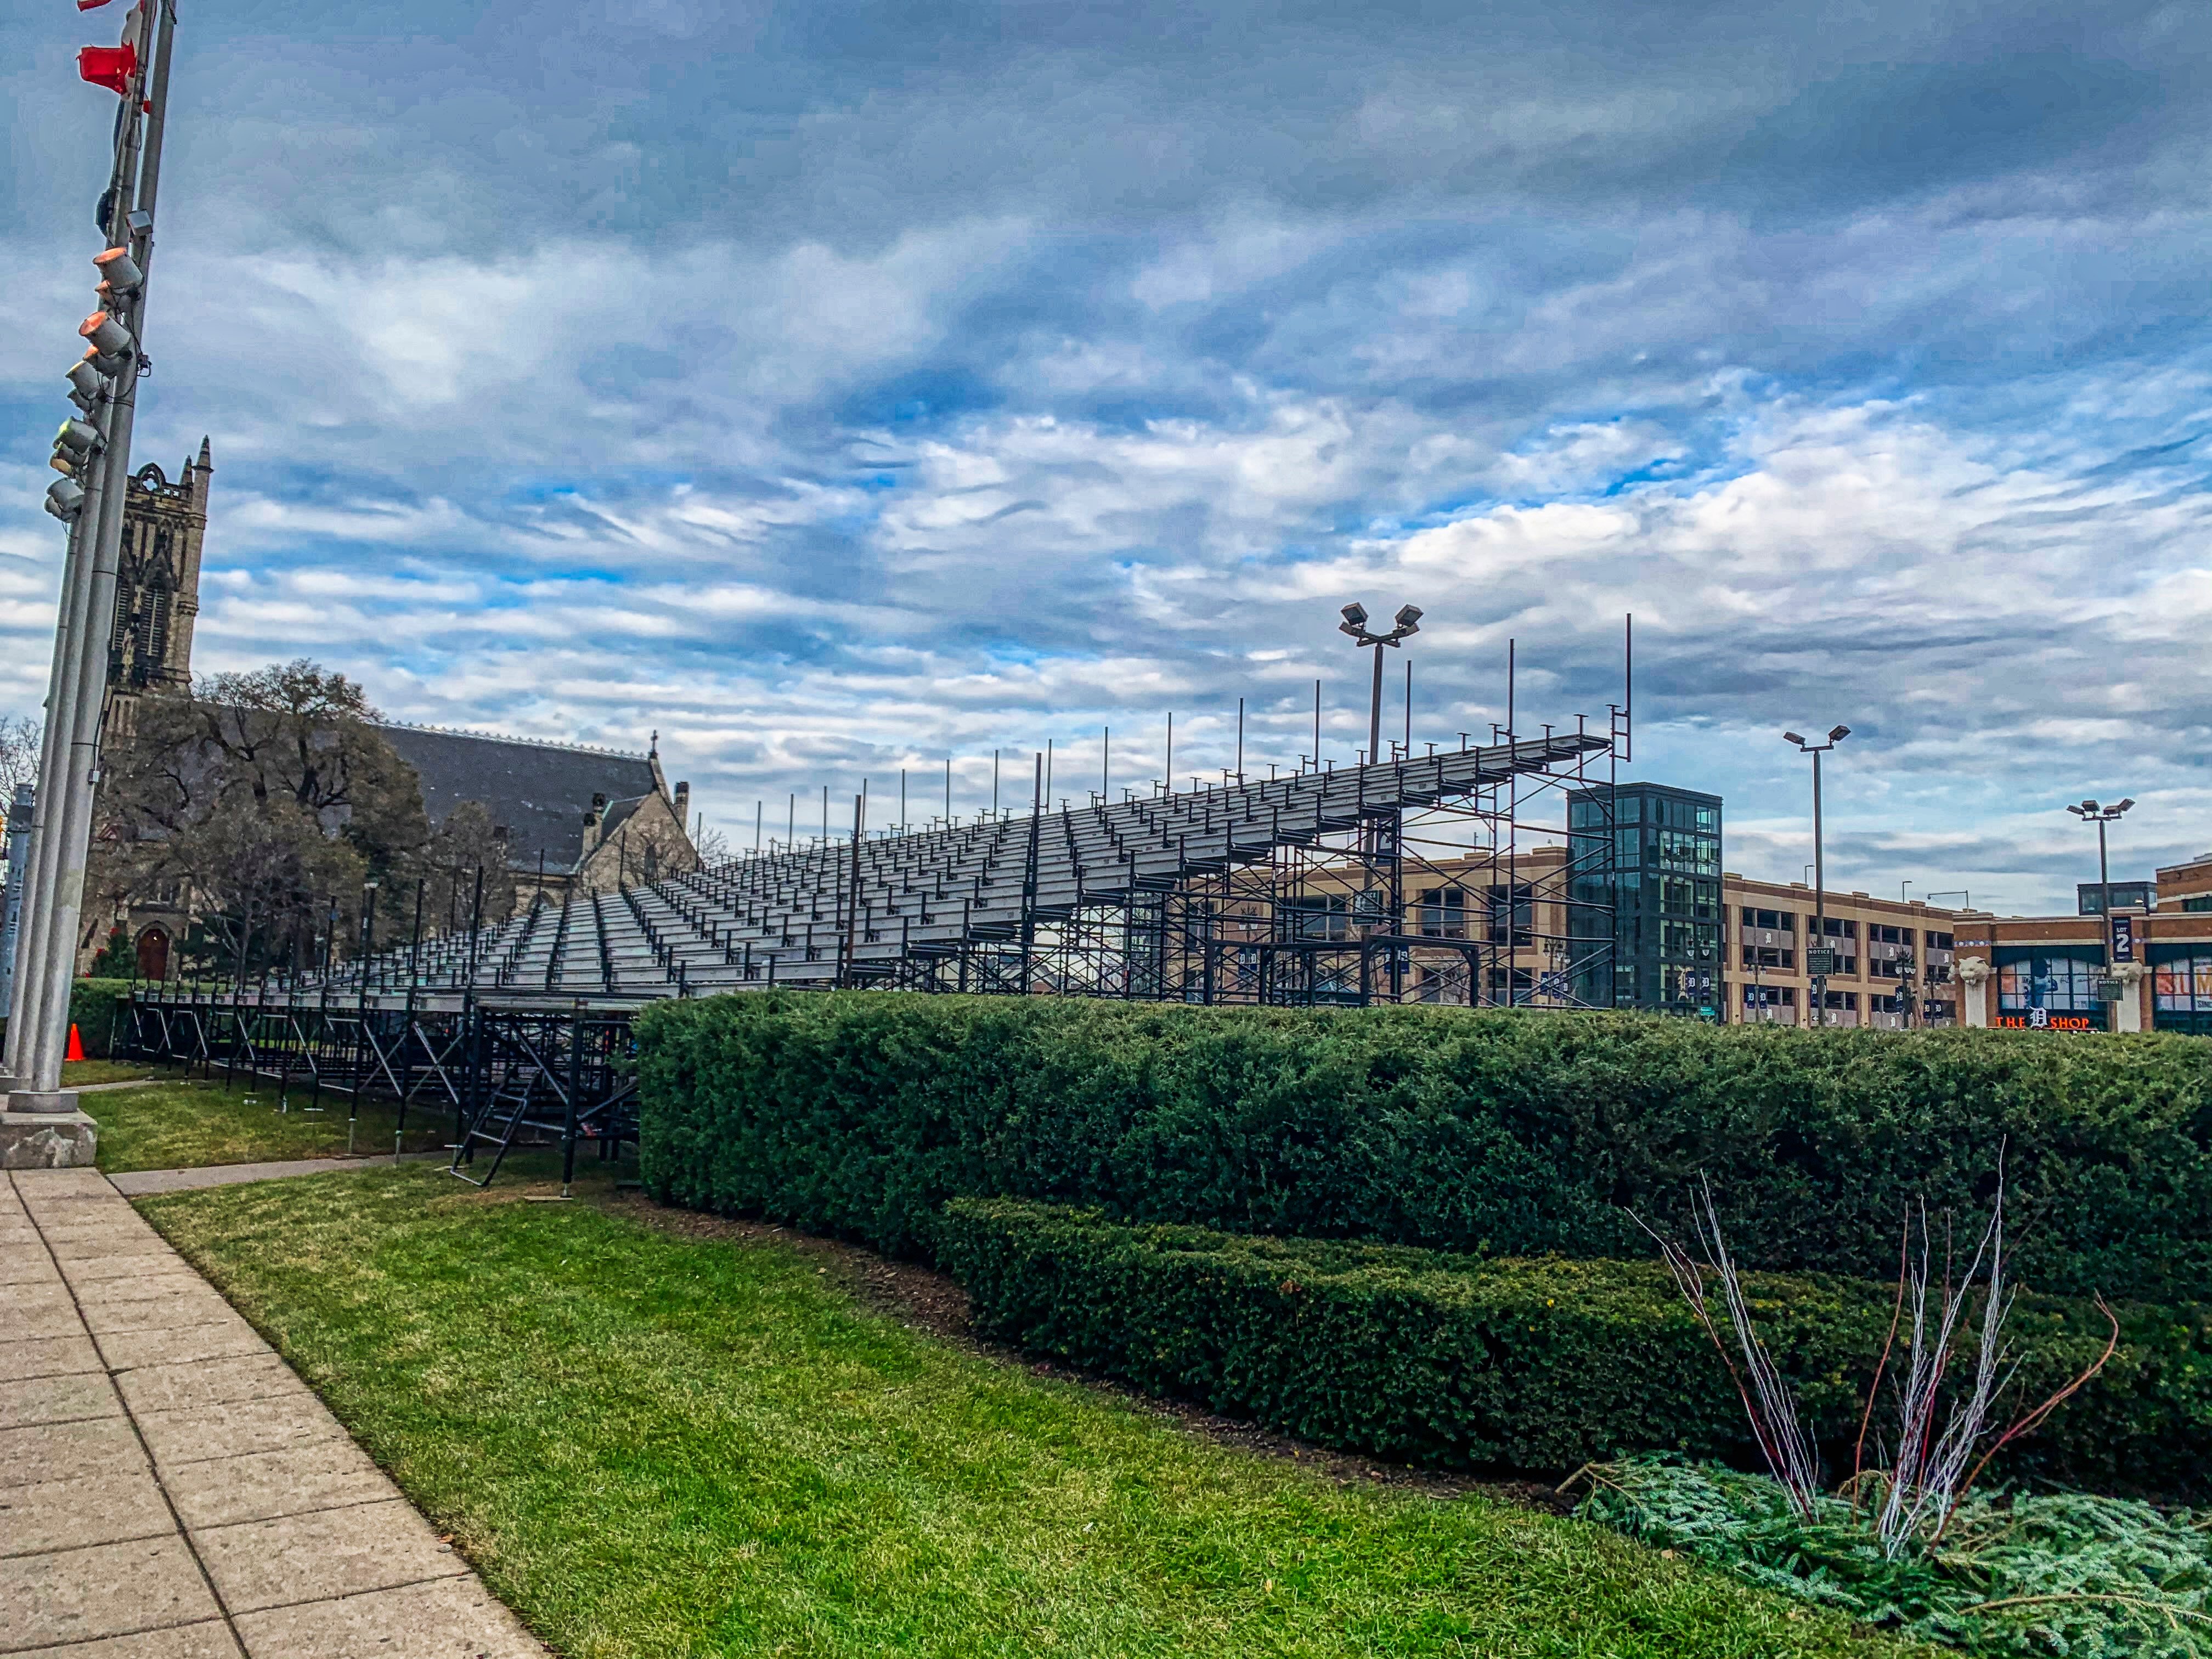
1408	621
2090	812
93	456
1820	981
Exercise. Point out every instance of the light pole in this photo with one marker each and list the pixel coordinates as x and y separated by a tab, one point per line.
1818	959
1408	621
93	454
2090	812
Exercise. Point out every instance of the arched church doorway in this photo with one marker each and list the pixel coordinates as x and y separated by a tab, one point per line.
154	954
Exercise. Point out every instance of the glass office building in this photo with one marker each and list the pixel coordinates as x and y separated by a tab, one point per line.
1647	874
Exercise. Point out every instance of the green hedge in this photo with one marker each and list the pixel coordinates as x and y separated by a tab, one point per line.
93	1006
1537	1364
92	1003
1506	1133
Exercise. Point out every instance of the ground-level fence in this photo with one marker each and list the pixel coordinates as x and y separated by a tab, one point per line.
503	1073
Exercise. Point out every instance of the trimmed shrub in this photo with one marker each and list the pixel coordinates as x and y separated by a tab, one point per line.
1539	1363
1509	1133
92	1003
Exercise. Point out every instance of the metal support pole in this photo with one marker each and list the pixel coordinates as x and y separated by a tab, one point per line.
81	714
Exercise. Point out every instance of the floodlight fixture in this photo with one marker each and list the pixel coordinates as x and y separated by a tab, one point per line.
119	272
1355	617
2126	803
86	384
64	499
1838	733
105	336
1791	737
1409	619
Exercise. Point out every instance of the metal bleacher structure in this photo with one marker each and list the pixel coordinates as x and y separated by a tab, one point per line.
1285	891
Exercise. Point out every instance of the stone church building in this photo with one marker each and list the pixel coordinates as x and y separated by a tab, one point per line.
576	819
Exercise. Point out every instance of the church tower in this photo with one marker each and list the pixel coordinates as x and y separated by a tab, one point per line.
157	589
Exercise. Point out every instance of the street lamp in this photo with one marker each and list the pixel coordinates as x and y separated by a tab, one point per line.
2090	812
1408	621
1818	959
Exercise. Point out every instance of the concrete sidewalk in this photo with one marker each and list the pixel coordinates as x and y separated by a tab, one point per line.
136	1183
170	1490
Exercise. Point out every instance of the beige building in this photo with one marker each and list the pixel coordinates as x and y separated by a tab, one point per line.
1893	960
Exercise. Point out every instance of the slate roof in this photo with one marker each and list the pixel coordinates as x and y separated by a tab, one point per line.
540	791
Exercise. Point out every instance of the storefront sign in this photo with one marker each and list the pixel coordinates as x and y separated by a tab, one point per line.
2124	938
2042	1020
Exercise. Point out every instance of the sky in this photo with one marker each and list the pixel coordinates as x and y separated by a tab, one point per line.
843	388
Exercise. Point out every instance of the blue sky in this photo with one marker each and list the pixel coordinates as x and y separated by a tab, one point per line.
837	388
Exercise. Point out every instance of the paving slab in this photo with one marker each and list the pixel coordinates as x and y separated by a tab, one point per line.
128	1349
371	1546
212	1640
107	1234
193	1434
28	1266
54	1205
67	1451
31	1184
57	1399
175	1280
110	1589
207	1382
67	1515
42	1320
33	1295
194	1304
49	1356
153	1258
453	1619
262	1486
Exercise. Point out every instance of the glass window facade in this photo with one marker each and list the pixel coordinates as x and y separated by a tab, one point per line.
2039	988
2089	896
2181	996
1651	855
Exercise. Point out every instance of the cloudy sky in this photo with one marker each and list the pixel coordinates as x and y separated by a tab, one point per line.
843	387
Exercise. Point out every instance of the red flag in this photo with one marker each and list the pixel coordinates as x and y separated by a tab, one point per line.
90	5
113	67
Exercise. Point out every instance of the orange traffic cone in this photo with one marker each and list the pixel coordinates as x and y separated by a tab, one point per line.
76	1044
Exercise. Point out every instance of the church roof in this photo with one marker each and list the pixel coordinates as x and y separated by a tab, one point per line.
539	791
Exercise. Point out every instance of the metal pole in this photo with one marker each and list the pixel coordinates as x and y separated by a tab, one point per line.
1820	900
82	713
1375	712
1240	739
2105	921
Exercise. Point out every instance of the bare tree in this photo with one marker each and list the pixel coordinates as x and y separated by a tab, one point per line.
1783	1439
712	845
239	799
466	842
20	736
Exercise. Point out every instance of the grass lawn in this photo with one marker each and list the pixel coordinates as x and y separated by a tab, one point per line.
179	1123
655	1443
